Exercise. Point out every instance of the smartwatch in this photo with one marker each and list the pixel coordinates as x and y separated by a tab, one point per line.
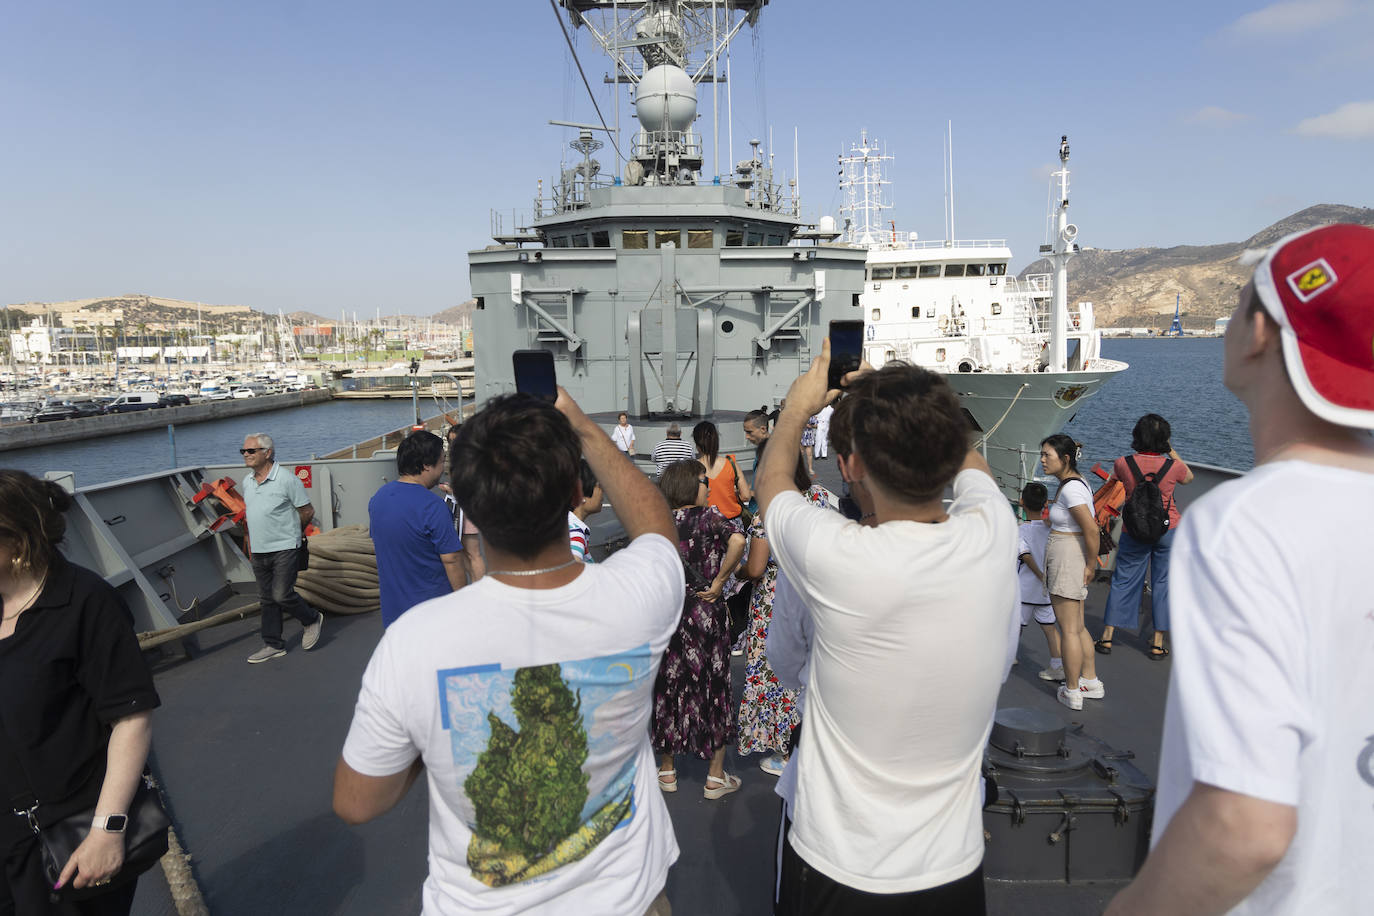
110	823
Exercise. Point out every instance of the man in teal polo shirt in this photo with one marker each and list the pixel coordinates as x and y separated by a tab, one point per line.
276	511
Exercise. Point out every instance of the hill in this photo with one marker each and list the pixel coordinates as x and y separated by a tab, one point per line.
459	314
1135	287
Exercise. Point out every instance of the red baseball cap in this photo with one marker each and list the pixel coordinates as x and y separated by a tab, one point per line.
1318	285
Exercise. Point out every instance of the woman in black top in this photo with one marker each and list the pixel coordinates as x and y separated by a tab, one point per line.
75	701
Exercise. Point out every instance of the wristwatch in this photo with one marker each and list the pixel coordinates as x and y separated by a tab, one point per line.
110	823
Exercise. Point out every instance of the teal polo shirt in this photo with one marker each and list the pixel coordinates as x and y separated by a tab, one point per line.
270	510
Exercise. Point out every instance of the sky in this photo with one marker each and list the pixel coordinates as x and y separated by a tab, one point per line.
344	157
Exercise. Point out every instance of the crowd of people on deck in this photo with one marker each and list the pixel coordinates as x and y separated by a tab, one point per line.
545	697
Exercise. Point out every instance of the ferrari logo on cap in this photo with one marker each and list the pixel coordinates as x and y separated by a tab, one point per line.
1312	280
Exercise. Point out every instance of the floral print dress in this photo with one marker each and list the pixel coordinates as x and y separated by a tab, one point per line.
768	711
692	700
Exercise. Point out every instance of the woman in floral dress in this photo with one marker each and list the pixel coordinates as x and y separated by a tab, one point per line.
692	700
768	711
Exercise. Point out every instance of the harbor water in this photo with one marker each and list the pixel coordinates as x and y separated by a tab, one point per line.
1178	379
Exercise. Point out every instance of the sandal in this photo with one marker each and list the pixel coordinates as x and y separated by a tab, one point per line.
1103	646
1158	652
664	784
716	786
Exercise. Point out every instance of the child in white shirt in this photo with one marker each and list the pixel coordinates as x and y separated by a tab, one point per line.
1030	567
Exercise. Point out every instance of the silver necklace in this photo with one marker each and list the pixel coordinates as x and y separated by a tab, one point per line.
532	572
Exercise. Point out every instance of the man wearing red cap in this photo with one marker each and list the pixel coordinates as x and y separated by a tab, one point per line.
1266	785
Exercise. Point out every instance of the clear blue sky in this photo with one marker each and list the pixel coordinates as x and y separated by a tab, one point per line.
346	156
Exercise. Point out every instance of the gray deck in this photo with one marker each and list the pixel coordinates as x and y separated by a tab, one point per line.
246	755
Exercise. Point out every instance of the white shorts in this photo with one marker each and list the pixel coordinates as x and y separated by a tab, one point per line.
1041	613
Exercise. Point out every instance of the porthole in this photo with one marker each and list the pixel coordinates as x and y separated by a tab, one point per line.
727	327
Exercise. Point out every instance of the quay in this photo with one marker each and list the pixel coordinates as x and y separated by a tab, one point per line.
28	435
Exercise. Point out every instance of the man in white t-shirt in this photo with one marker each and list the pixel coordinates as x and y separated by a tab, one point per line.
623	434
1266	784
911	626
526	696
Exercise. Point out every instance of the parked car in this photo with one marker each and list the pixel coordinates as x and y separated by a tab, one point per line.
133	400
53	412
174	400
87	408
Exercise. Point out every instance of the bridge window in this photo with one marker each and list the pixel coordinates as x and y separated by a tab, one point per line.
929	270
663	237
915	311
699	238
975	270
634	239
881	273
580	240
997	270
754	239
560	241
774	239
906	271
954	270
601	239
877	314
734	238
997	308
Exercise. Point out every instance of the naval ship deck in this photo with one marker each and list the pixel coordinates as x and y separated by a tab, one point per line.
246	756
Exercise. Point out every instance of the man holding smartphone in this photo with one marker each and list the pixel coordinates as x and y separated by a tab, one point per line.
502	690
889	795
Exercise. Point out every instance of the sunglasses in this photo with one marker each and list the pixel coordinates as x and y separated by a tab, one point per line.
249	451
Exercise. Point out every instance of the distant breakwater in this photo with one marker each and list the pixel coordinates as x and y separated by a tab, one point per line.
29	435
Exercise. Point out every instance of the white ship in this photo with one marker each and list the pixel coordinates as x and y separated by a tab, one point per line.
1021	361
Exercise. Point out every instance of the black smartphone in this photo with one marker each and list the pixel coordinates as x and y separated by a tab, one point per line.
846	349
534	374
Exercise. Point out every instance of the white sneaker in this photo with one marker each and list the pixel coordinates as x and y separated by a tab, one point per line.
773	765
1052	674
265	654
1071	698
311	636
1092	690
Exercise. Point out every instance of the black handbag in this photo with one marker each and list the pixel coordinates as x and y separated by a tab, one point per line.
145	839
303	554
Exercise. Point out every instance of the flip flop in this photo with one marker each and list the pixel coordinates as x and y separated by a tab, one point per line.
1157	652
1103	646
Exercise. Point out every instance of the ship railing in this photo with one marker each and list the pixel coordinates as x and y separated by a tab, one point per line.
760	195
887	243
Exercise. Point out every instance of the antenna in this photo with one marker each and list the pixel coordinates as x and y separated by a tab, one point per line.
950	128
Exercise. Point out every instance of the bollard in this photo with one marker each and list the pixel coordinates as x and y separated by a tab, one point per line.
172	443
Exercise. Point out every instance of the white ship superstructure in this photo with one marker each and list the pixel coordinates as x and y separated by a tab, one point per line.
1019	357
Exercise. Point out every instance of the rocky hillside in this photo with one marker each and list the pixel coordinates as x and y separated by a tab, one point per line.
1136	287
457	314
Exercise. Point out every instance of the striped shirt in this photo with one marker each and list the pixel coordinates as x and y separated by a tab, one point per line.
670	450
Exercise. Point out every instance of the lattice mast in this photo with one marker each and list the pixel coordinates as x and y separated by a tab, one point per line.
865	192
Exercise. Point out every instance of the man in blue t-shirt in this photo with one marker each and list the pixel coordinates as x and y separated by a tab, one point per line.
419	553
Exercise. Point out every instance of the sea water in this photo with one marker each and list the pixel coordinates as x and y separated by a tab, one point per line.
1178	379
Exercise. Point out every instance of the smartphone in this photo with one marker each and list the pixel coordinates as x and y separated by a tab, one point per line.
846	349
534	374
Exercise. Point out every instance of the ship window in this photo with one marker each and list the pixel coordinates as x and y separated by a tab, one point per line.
754	239
954	270
481	303
929	270
915	311
665	237
940	355
560	241
634	238
601	239
997	270
854	299
877	314
775	240
580	240
699	238
975	270
906	272
997	308
734	238
882	273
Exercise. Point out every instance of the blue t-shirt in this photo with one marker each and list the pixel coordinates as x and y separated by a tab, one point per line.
410	527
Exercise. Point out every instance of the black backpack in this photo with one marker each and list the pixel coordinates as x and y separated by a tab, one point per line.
1146	515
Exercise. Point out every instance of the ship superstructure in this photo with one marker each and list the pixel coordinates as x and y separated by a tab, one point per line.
1019	357
662	286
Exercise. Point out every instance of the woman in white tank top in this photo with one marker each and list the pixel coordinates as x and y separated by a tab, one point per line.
1070	559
